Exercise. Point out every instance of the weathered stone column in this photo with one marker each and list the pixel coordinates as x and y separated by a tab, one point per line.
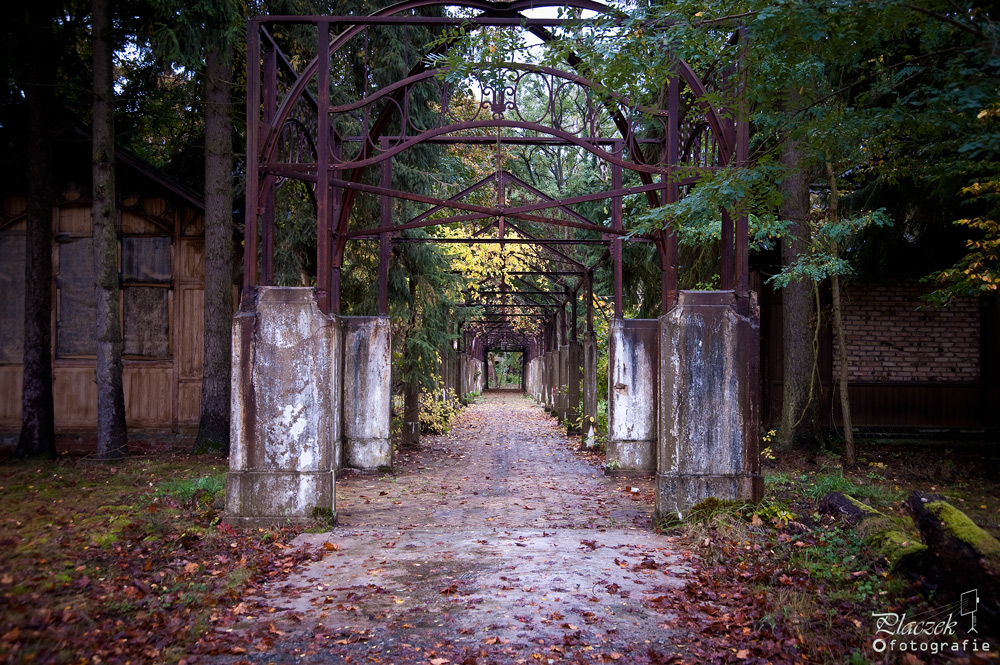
562	382
574	354
285	408
589	350
633	354
708	433
367	392
552	365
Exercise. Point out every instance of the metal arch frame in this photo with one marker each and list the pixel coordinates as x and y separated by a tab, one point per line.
265	132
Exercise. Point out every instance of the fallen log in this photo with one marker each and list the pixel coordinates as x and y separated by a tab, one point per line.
961	556
887	536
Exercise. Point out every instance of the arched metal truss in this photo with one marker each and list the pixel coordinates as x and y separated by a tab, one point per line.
296	131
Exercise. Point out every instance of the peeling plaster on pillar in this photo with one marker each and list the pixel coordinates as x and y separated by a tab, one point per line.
708	432
633	353
281	463
367	392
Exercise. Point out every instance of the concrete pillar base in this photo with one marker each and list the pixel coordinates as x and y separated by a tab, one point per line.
633	352
676	494
262	498
367	392
368	454
631	456
285	394
708	432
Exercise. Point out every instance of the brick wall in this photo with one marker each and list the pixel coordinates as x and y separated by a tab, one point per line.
892	335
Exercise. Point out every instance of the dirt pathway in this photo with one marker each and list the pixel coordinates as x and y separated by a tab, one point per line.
497	543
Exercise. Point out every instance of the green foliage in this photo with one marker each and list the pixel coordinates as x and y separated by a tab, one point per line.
436	413
978	272
184	490
825	260
823	483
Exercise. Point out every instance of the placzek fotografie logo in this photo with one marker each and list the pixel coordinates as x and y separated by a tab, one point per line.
951	629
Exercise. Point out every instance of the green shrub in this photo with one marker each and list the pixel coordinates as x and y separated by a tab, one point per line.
436	413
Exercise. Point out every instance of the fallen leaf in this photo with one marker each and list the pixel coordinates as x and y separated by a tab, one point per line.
330	546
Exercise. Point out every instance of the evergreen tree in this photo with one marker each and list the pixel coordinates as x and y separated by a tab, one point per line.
112	439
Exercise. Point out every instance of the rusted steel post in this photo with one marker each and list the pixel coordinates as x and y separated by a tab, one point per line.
616	224
323	166
331	278
727	260
384	241
267	218
590	302
253	163
729	120
668	267
742	221
576	296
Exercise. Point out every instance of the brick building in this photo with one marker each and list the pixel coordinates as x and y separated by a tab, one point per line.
910	363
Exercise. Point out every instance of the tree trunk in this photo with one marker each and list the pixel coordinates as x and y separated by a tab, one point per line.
112	437
800	398
37	410
411	414
213	428
848	457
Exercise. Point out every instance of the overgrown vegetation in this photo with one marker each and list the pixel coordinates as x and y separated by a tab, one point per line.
809	583
126	562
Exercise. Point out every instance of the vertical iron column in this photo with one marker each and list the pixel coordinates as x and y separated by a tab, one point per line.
727	260
384	242
742	157
332	276
668	267
267	219
323	166
616	224
253	162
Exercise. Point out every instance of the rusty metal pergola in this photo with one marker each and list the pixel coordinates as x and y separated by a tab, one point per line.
297	132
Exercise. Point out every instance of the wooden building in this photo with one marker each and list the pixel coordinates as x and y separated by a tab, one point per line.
161	243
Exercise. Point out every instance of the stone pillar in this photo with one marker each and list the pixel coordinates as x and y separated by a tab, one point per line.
562	383
708	433
589	428
574	353
633	355
367	392
285	408
552	361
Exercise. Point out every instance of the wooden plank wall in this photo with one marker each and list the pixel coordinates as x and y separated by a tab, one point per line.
161	393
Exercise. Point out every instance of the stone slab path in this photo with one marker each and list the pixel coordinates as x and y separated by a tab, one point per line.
498	543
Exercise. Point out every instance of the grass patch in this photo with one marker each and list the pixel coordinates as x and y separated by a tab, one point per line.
184	490
821	484
127	553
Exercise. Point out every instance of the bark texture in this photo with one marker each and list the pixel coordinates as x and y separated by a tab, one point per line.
37	437
112	436
838	330
800	391
213	427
